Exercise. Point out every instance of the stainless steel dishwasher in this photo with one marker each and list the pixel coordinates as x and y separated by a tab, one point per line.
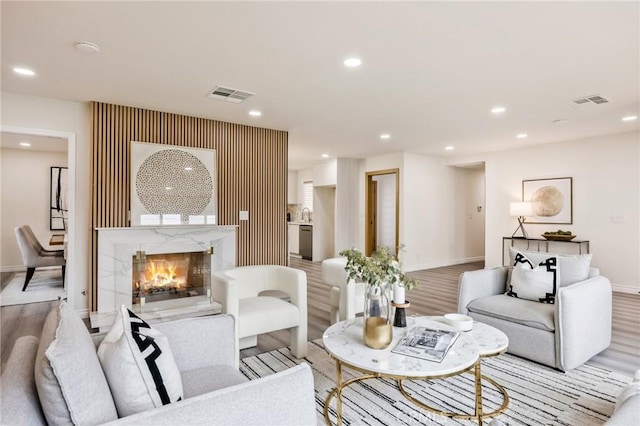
306	241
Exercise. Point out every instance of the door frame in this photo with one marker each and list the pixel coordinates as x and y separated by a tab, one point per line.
70	284
370	215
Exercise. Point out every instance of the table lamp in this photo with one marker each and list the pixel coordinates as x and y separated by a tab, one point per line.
521	209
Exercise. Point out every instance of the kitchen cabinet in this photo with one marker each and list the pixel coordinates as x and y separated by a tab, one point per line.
294	238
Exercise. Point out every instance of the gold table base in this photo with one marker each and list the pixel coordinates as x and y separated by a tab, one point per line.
478	409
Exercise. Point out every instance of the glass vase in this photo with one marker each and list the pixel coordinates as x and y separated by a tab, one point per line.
378	330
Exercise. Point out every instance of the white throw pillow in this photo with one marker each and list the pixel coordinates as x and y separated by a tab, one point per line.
534	282
572	268
139	365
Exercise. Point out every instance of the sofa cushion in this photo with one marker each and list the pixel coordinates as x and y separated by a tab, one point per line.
525	312
533	281
75	364
207	379
571	268
139	365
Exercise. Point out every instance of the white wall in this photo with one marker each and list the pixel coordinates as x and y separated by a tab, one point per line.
24	194
73	117
606	183
346	222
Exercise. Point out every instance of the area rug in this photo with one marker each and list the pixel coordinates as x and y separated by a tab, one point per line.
538	395
45	285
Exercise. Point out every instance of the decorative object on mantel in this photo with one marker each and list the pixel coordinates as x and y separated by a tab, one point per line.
558	235
521	210
552	199
381	273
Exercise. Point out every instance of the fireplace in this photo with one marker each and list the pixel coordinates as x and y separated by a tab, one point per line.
118	248
166	276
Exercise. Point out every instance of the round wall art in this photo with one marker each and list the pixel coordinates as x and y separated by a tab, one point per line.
173	182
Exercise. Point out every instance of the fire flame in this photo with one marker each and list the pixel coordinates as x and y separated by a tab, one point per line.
161	274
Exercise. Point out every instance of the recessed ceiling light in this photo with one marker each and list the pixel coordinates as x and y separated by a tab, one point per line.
352	62
498	110
561	121
630	118
448	148
324	155
24	71
25	144
255	113
385	136
87	47
521	135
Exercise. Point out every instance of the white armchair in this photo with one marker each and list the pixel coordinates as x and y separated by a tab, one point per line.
239	289
563	335
346	297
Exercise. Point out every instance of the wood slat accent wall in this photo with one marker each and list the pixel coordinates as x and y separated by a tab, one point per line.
251	166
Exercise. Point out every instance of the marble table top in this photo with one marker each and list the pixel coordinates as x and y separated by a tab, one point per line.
344	341
490	340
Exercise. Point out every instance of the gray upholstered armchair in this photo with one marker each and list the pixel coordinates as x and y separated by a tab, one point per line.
563	335
34	255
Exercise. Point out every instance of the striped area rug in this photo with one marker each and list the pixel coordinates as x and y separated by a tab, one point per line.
538	395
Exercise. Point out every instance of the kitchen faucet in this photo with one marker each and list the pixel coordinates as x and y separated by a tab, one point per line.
308	214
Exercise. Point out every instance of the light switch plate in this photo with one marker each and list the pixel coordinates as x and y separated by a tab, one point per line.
244	215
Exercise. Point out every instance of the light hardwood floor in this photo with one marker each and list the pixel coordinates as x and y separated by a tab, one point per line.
436	295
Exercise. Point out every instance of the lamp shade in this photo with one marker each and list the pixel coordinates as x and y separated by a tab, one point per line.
521	208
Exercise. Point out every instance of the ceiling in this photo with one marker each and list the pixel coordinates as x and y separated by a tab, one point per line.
36	143
430	73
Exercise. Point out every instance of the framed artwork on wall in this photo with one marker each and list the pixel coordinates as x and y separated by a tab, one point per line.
58	209
172	185
552	200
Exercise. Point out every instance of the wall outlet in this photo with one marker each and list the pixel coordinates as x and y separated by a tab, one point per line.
617	219
244	215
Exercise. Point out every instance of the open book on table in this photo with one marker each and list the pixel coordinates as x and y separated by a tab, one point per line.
427	344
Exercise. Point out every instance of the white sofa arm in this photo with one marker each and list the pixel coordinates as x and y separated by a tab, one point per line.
225	291
202	342
284	398
583	321
483	282
291	281
19	404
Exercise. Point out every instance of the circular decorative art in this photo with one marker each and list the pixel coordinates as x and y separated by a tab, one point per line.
173	181
547	201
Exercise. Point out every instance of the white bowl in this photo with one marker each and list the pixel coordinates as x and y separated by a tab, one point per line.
459	321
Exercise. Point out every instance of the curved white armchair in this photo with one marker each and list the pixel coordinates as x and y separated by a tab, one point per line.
346	297
34	255
238	291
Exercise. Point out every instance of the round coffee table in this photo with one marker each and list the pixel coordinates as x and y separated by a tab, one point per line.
344	342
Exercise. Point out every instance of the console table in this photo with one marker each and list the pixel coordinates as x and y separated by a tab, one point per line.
541	244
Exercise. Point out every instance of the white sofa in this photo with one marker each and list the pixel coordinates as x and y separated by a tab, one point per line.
346	297
205	351
562	335
241	293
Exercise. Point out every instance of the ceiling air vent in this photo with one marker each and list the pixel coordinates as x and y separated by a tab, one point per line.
228	94
593	99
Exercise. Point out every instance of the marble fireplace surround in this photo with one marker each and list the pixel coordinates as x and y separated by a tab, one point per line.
117	246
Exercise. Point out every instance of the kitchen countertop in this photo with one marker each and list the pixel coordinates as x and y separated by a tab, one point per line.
300	223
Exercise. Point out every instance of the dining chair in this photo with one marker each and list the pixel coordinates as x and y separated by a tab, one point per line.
35	256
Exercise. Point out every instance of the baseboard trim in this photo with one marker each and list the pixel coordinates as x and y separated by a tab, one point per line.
83	313
625	289
12	269
431	265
